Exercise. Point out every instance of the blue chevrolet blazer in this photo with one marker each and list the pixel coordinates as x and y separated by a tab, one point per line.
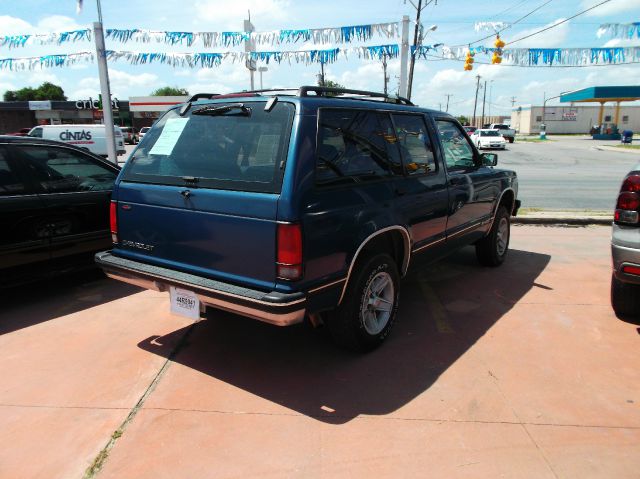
305	203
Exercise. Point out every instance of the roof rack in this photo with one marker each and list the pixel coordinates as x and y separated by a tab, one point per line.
323	90
199	96
303	91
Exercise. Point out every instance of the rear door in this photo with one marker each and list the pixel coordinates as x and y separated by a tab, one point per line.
24	223
200	194
421	195
76	191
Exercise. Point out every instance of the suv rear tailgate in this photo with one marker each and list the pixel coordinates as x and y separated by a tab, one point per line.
204	232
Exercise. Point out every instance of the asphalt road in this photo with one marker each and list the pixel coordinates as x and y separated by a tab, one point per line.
567	173
564	173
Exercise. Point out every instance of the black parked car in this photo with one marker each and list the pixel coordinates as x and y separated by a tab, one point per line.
54	208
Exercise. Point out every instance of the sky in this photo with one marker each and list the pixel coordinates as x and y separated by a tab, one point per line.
433	79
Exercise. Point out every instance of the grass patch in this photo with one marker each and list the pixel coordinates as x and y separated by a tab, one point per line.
629	147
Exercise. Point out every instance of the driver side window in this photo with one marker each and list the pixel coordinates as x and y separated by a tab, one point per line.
458	152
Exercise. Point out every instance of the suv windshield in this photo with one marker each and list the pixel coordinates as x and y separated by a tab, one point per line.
232	149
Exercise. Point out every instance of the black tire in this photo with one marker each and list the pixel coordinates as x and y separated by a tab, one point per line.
625	298
511	140
493	248
355	324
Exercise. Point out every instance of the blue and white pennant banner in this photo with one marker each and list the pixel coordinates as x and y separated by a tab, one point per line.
625	31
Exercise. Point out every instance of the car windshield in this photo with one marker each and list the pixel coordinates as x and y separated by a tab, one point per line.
226	148
489	133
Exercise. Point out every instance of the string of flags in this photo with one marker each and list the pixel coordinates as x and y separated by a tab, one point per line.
338	35
619	30
512	56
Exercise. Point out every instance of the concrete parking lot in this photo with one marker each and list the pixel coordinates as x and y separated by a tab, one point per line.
519	371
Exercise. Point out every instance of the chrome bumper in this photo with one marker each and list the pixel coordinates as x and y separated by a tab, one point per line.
274	308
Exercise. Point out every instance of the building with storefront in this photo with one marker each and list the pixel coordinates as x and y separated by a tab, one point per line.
604	121
147	109
15	115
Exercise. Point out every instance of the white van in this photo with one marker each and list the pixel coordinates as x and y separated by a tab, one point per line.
89	137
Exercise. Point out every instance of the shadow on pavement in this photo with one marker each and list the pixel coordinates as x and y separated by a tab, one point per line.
442	314
33	303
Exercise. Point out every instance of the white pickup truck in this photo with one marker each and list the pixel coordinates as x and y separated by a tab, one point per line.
508	134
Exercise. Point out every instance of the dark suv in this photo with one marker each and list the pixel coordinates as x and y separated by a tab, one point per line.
304	203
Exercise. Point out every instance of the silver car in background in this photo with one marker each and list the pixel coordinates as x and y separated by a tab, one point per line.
625	248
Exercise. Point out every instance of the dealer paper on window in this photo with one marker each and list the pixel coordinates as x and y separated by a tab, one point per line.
169	136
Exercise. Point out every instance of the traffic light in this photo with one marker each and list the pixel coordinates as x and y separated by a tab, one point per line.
468	62
497	53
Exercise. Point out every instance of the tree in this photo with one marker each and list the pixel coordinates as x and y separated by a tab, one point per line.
170	91
329	84
46	91
463	119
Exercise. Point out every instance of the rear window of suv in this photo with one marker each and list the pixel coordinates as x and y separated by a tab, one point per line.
233	146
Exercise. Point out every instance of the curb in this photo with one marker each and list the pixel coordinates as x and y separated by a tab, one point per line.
614	149
560	221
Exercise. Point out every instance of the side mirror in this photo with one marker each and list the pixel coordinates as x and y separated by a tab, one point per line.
489	159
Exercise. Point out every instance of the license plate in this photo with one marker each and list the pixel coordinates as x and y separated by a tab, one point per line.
184	302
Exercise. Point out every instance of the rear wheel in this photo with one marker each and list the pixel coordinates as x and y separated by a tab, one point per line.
492	249
625	298
511	140
368	310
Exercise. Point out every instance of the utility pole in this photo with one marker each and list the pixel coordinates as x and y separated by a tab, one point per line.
475	103
105	90
404	51
448	95
250	47
513	101
415	45
484	97
321	76
384	72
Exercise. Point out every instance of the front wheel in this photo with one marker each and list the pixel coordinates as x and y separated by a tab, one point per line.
367	313
492	249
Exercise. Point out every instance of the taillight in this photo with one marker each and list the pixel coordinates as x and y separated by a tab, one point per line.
629	269
289	258
628	204
113	221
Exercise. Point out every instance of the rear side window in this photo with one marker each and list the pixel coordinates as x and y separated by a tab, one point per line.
415	144
60	170
10	184
230	148
354	146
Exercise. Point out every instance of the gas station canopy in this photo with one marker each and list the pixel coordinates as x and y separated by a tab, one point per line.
602	95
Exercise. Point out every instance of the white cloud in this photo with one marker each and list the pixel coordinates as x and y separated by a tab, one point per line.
14	26
234	12
58	23
622	42
612	8
556	37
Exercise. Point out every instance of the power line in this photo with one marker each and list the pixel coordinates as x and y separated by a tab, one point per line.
559	23
508	26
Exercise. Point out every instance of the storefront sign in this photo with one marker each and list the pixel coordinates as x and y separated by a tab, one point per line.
40	105
94	104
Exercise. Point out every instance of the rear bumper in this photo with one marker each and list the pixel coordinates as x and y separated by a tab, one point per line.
275	308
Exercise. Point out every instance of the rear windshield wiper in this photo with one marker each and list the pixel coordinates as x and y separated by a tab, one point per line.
221	110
